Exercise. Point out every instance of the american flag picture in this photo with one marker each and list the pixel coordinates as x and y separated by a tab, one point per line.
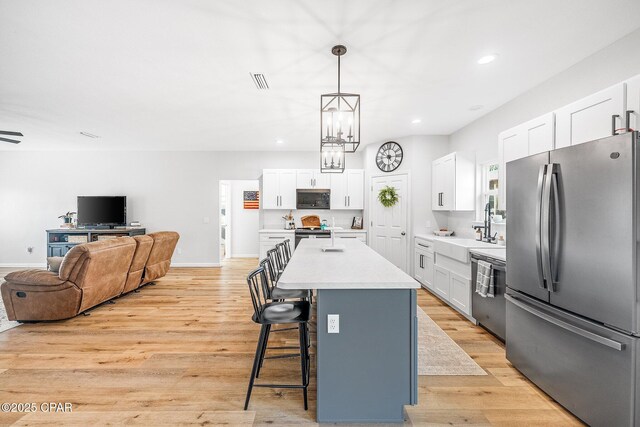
252	200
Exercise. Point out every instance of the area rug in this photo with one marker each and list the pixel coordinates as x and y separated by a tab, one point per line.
5	323
438	354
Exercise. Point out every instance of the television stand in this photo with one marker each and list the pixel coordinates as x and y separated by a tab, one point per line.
61	240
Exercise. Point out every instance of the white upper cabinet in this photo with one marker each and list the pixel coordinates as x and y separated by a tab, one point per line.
270	195
347	189
278	189
593	117
312	178
633	103
533	137
453	182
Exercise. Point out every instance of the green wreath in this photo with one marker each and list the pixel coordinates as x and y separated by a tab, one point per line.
388	196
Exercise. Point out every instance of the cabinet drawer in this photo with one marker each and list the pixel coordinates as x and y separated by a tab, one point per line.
424	245
360	236
276	237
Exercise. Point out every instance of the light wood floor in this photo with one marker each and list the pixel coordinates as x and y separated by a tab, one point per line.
180	352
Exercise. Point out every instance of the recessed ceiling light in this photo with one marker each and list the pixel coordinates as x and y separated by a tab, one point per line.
279	141
416	121
487	59
89	135
476	107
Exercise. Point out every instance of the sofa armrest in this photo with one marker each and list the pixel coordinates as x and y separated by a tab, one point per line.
34	278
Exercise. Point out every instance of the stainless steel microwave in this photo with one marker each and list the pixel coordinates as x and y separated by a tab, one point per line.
313	199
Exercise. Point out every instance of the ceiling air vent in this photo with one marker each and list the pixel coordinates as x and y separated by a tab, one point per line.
259	80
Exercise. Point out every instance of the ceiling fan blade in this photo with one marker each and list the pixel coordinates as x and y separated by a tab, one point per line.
13	141
6	132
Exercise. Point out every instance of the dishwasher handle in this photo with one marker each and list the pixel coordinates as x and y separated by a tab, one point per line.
495	264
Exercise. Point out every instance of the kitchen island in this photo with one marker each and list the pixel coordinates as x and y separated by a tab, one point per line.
367	371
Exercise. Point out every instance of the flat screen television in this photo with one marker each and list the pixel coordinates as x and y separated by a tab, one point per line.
102	210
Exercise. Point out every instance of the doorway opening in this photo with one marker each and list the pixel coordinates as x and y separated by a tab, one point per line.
239	218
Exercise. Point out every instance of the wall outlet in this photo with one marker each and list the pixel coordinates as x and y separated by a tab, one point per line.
428	224
30	249
333	323
206	220
179	251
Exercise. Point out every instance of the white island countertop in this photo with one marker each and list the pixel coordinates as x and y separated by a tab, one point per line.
357	267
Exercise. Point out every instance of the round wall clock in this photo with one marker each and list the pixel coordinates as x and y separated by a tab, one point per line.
389	156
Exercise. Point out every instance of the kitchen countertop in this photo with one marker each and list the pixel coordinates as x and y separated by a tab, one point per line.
357	267
281	230
499	252
459	241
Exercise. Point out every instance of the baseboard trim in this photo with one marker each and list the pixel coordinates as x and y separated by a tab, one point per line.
195	264
23	265
244	255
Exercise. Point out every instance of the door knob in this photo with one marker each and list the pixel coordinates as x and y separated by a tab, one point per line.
403	233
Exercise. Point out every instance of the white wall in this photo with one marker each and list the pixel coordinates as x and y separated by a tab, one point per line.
418	153
244	222
611	65
165	191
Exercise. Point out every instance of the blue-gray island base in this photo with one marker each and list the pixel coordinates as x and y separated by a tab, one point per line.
368	371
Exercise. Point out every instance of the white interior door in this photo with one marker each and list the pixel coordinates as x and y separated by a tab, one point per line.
389	235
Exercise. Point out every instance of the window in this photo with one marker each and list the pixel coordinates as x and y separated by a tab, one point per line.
490	187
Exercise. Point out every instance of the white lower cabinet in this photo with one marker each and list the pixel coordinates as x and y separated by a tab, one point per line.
452	282
423	262
441	282
460	292
352	235
269	241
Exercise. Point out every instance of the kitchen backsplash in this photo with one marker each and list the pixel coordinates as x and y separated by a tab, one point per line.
462	222
273	218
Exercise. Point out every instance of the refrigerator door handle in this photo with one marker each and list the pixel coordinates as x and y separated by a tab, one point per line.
545	228
541	175
556	230
565	325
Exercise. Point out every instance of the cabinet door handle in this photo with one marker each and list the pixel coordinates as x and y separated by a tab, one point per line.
628	118
613	123
349	200
345	201
421	256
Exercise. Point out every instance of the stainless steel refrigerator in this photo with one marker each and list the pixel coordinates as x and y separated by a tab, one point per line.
572	316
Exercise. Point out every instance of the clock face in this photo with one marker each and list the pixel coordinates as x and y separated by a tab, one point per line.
389	156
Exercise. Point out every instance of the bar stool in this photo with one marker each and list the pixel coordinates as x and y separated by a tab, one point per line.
276	262
282	251
279	294
286	251
267	314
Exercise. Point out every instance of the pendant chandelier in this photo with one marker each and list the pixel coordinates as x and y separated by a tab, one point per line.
339	124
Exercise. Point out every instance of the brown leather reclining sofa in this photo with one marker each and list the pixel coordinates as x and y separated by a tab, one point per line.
90	274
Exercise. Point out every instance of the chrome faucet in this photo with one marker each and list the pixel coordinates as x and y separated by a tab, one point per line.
487	225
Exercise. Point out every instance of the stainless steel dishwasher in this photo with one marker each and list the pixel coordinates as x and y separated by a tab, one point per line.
490	312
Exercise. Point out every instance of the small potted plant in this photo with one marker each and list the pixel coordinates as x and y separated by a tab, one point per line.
68	219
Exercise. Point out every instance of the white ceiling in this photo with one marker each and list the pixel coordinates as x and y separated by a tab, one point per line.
174	75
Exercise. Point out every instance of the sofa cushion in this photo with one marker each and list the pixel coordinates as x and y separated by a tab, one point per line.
34	278
164	243
141	256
